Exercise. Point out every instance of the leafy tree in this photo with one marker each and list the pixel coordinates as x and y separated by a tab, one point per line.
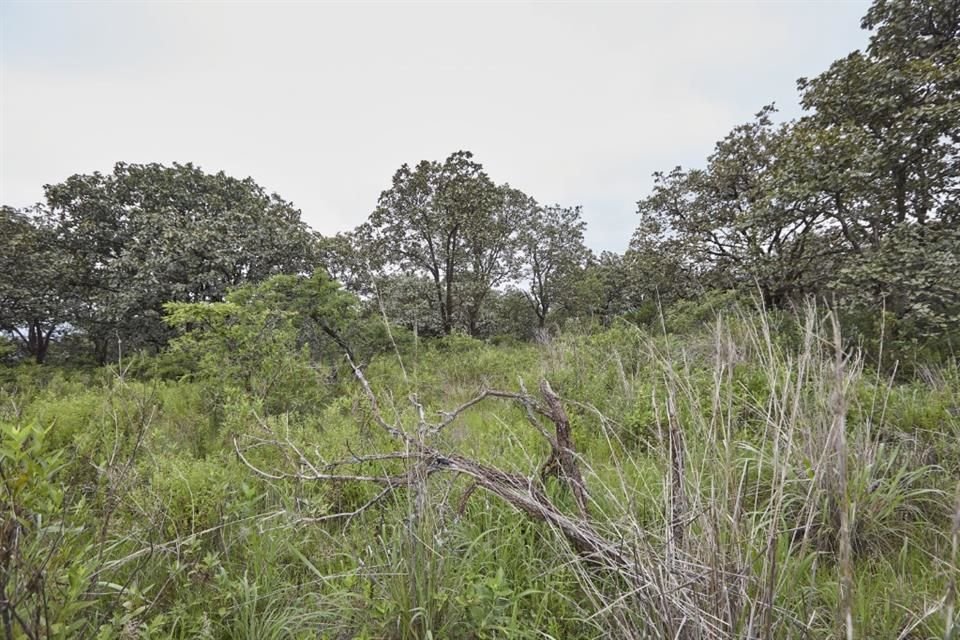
512	315
451	224
655	270
849	198
490	245
149	234
34	302
553	253
405	300
346	259
267	338
728	218
612	284
884	130
891	114
912	275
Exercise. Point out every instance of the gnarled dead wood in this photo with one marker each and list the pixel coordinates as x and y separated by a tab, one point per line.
525	494
563	451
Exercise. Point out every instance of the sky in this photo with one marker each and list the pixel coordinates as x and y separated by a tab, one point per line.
574	103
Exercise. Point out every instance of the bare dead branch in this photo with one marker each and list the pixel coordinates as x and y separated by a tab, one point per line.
391	481
361	459
525	494
394	431
465	498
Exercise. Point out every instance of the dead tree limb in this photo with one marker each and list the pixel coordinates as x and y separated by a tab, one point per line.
563	451
525	494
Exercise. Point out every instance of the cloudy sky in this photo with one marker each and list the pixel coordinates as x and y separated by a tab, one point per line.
321	102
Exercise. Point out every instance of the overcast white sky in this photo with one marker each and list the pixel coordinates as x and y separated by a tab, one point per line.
322	102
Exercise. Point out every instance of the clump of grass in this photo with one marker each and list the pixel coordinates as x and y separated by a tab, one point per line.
748	512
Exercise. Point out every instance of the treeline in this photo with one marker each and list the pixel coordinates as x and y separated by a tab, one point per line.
854	202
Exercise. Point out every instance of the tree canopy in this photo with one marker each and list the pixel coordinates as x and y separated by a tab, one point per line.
852	200
118	246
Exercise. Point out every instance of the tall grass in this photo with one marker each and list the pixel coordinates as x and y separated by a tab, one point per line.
774	506
751	480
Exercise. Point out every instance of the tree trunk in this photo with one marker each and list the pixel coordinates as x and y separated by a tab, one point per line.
38	341
100	349
542	310
448	307
473	323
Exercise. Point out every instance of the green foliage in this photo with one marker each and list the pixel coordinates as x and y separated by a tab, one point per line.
856	200
7	349
267	340
553	254
430	222
34	301
913	271
513	318
107	251
444	238
733	223
167	532
194	494
687	315
42	585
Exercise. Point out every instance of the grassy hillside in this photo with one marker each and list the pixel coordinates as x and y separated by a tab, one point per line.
749	478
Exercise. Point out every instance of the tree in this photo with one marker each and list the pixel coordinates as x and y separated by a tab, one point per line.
812	206
860	192
511	315
885	130
34	301
891	115
490	244
553	252
406	300
913	276
450	223
149	234
268	338
737	221
655	270
346	260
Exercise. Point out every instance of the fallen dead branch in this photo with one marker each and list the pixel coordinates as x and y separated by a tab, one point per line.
525	494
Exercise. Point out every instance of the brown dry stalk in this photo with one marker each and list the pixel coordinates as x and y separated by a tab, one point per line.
678	502
950	602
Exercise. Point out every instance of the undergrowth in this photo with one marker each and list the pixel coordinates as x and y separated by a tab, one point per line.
763	480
